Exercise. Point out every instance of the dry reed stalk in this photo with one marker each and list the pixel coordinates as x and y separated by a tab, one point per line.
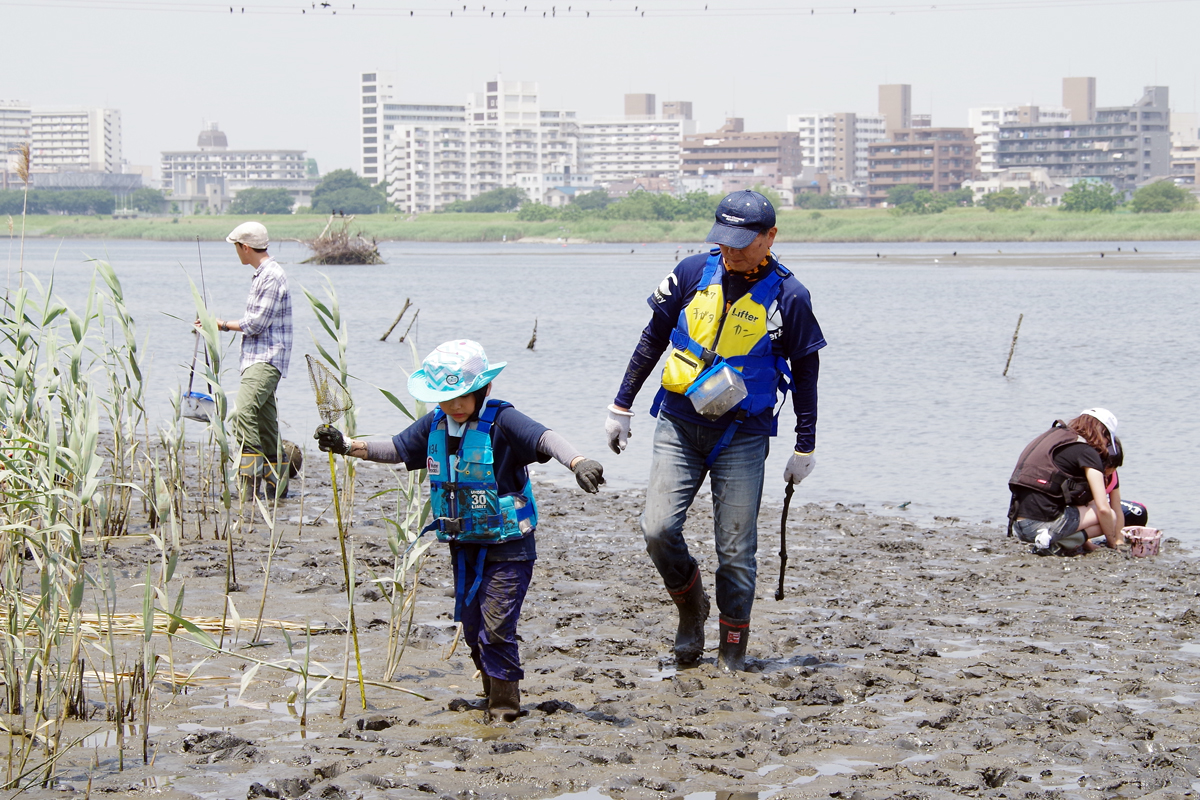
23	160
96	626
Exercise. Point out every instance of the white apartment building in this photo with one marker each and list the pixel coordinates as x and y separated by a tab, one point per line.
432	155
212	174
623	149
837	144
15	123
380	114
76	140
986	122
436	154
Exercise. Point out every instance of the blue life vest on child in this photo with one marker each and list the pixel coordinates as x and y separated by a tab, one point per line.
711	331
466	501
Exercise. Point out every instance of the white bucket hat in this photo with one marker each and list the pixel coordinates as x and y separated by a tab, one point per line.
452	370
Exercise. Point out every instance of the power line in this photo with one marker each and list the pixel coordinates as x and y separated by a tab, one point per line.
515	9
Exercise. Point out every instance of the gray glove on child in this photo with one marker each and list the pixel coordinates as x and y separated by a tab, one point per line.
589	475
330	440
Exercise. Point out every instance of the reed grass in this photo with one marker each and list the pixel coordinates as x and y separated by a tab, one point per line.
77	459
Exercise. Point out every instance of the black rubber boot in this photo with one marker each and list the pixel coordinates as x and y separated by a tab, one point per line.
504	700
692	604
731	656
487	684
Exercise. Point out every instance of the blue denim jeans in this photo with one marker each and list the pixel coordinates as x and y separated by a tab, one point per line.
490	620
676	472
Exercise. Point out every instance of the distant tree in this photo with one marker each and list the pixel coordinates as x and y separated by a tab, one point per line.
596	200
492	202
901	194
963	197
342	190
815	201
148	200
310	168
1088	196
1003	200
536	212
1161	197
262	201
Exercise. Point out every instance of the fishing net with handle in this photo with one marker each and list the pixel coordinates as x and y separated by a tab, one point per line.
332	398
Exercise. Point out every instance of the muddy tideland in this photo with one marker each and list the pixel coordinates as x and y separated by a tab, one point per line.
906	660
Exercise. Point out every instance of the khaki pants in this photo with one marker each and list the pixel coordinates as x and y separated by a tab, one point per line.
256	421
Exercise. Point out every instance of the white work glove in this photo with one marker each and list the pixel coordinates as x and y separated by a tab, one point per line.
798	466
616	428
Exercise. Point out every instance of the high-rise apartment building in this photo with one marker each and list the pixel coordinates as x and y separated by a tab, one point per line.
742	159
15	123
497	139
986	122
1079	95
612	151
677	109
895	105
76	140
1125	146
380	114
836	144
936	159
640	106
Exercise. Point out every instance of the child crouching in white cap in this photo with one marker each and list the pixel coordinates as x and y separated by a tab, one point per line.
476	452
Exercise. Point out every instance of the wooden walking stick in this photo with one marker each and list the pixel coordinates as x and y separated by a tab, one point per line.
787	502
332	402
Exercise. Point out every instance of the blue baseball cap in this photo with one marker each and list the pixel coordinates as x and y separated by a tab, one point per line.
741	217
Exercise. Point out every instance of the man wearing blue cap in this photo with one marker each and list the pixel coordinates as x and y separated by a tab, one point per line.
740	329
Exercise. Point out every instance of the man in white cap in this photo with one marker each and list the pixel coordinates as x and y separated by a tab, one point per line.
266	329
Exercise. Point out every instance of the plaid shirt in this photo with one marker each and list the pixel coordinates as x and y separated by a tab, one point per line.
267	325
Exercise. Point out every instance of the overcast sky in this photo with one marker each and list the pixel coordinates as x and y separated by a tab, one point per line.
274	77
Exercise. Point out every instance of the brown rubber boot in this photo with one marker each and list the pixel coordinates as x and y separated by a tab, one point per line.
693	606
504	700
735	633
487	684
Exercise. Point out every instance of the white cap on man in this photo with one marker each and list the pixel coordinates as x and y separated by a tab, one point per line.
252	234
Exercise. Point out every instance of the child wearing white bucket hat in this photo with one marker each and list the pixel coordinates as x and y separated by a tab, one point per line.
477	452
1057	468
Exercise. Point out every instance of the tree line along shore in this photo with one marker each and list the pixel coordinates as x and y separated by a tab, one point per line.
841	225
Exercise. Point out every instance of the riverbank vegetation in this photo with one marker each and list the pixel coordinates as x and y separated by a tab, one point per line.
834	225
83	474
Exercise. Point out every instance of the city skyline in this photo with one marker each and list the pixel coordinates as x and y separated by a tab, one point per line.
288	79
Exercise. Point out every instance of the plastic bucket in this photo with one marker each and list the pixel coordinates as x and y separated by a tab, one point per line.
198	406
1142	541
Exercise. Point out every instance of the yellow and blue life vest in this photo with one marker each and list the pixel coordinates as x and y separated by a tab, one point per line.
466	501
709	331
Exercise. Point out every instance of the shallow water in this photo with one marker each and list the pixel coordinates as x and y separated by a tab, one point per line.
913	405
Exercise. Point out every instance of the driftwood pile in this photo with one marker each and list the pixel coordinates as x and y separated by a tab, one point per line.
336	245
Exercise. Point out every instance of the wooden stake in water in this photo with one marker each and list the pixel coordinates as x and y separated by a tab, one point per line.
1013	346
532	339
396	321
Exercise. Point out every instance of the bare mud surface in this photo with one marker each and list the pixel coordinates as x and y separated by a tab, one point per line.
906	661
